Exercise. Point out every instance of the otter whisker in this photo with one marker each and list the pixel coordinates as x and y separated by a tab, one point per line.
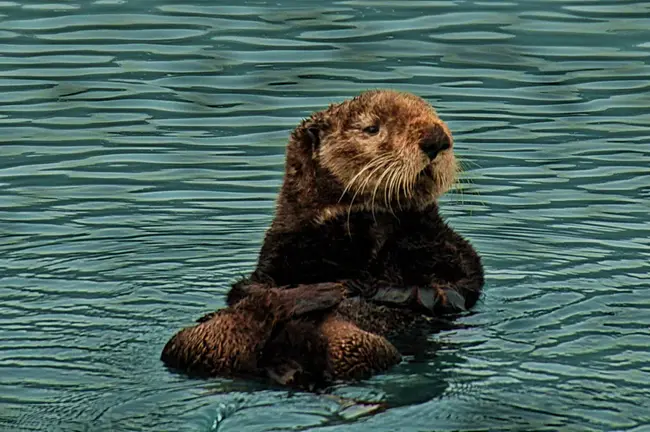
369	165
392	184
387	187
362	189
349	185
374	193
367	182
463	162
444	180
403	188
380	163
395	183
351	182
379	160
459	182
464	180
410	178
397	188
399	184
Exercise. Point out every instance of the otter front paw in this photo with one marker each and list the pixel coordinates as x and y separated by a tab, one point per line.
316	297
394	295
440	298
358	288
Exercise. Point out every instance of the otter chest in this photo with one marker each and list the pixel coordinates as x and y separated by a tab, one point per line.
369	246
349	251
327	252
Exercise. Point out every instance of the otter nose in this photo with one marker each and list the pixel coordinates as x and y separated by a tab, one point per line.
434	141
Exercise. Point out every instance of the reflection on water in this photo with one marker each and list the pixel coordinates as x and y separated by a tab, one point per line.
142	148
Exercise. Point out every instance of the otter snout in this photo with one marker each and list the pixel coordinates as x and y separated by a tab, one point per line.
434	141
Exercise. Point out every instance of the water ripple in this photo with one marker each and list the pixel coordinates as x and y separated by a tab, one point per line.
143	148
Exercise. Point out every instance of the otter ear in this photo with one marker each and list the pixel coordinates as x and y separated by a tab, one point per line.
309	134
313	131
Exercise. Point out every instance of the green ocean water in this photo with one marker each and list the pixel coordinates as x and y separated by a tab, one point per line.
141	150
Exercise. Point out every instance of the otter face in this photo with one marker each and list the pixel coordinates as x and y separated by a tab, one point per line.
387	150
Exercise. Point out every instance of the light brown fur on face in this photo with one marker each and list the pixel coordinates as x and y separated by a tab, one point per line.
336	163
383	170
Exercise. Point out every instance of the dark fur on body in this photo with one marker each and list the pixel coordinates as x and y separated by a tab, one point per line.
357	211
406	250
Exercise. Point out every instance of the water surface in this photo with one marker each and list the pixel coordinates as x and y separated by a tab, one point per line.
142	149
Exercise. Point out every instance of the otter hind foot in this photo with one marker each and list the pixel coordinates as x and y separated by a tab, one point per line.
355	354
230	341
225	344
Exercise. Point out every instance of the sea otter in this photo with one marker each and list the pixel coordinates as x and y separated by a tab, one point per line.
357	254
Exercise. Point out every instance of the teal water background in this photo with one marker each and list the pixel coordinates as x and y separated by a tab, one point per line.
141	149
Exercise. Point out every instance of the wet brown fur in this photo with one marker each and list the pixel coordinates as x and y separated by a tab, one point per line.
357	211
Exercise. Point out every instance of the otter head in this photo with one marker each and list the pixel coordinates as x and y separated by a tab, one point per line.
381	150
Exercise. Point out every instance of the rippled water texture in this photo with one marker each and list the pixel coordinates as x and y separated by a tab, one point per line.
142	149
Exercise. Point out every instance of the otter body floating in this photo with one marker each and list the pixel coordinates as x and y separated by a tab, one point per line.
356	256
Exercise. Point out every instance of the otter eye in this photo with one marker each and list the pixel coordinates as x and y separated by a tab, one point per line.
372	130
